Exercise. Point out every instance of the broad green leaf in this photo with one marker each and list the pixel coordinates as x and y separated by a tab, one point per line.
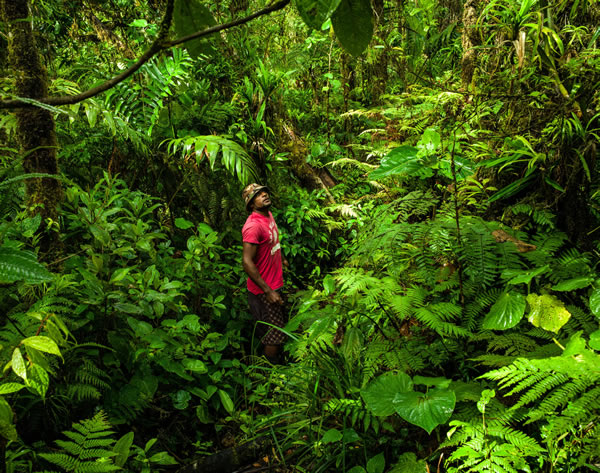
573	284
190	16
331	436
205	228
380	393
350	436
353	25
197	366
127	308
594	343
595	302
210	390
506	312
183	224
438	382
376	464
119	274
18	265
191	322
18	364
203	415
523	277
226	401
100	234
162	458
316	12
547	312
159	308
7	426
329	284
122	448
425	410
575	345
139	23
41	343
357	469
140	327
401	161
464	167
181	399
8	388
430	141
39	380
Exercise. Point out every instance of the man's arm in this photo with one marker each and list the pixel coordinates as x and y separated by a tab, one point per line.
248	255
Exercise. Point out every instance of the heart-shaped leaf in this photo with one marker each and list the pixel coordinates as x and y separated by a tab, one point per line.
380	393
427	410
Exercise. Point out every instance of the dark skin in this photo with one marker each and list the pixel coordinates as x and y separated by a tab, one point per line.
261	204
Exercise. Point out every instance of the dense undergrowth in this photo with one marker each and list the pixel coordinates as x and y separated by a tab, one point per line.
439	212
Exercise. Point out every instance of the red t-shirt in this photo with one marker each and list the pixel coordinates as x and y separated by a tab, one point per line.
262	231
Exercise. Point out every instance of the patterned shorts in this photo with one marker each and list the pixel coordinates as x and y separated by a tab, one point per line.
274	314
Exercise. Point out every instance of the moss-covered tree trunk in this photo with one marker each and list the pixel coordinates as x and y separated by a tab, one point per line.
469	41
35	126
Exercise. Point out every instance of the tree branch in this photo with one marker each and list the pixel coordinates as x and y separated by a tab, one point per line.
160	44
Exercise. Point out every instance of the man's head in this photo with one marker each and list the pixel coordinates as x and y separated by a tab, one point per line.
256	197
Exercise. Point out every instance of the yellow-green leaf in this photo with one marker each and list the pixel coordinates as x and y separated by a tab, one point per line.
18	364
41	343
8	388
547	312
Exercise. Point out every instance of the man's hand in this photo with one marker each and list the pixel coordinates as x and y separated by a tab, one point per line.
273	297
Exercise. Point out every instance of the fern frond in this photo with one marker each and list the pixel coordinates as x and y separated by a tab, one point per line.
84	453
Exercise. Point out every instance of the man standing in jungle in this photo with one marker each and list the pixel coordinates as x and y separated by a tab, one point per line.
262	261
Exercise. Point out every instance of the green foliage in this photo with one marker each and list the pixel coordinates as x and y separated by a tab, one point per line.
316	12
560	392
483	267
89	448
232	156
190	17
353	25
18	265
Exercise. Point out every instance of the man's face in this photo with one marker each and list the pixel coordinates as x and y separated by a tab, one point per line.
262	201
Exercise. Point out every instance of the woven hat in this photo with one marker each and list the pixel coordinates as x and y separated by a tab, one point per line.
250	191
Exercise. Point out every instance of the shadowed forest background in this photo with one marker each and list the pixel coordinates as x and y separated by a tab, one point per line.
433	166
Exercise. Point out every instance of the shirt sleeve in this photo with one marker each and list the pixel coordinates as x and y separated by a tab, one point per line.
251	233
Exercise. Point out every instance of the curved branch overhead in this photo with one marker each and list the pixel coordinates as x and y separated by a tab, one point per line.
160	44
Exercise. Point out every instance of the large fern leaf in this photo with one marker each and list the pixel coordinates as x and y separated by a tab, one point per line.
232	156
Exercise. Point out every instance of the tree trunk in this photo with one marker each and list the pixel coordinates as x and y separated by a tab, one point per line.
378	70
35	126
469	41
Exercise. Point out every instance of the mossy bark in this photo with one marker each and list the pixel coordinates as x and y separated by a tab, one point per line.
35	126
470	41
